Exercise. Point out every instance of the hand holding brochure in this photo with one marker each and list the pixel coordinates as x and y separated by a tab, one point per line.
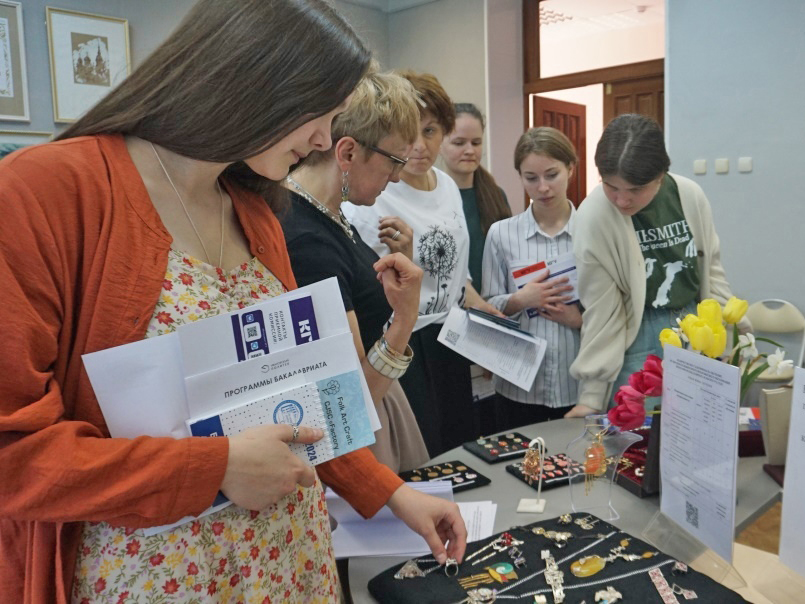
563	265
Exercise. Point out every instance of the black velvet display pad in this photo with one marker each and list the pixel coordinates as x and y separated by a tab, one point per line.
503	447
459	474
437	588
558	470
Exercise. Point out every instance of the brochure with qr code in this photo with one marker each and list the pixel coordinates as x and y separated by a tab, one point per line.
563	265
506	351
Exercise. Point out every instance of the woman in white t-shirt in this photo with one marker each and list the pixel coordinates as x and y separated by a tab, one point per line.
438	380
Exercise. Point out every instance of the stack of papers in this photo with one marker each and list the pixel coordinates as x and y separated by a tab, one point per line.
386	535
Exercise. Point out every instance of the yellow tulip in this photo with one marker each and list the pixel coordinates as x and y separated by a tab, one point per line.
700	335
710	312
734	310
669	336
687	323
716	349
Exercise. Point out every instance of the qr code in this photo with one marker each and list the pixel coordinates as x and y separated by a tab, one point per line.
251	332
692	514
451	337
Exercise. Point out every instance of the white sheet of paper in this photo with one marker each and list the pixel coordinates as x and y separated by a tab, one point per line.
382	535
479	516
699	446
792	545
513	358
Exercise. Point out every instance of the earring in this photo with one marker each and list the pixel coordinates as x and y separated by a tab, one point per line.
344	186
595	462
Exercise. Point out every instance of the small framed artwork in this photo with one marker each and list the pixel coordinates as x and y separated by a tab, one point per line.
11	140
89	55
13	77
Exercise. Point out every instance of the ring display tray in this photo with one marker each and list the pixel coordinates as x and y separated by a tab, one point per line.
501	447
557	471
459	474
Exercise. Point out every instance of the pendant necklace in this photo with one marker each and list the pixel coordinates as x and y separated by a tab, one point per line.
186	213
339	218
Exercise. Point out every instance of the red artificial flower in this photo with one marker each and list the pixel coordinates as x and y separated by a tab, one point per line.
100	585
627	415
186	279
132	547
645	383
652	370
171	587
157	559
629	394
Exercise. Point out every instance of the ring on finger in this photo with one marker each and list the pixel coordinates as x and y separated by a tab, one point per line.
396	235
295	433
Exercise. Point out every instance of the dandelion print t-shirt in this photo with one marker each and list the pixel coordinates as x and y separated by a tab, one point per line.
441	240
672	269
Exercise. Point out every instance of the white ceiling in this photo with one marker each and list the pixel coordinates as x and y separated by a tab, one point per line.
564	19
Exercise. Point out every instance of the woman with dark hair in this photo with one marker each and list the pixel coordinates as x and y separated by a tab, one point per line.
646	251
149	212
484	201
545	160
437	382
371	141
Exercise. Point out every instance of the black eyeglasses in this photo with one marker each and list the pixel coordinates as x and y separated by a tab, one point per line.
399	162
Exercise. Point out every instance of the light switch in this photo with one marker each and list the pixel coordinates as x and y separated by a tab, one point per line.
722	165
700	166
744	164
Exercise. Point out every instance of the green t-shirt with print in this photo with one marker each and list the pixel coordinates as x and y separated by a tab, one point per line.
672	270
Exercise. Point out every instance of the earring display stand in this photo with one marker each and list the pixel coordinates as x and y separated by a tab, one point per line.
598	449
535	506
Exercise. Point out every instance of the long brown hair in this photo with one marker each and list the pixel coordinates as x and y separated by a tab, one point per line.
492	203
233	79
632	147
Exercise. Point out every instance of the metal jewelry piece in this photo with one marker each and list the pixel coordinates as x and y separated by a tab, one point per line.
608	596
295	433
396	235
505	539
449	564
688	594
482	595
409	570
475	580
679	568
587	523
554	577
560	538
666	591
541	599
565	519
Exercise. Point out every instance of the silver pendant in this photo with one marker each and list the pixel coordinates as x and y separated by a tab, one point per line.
409	570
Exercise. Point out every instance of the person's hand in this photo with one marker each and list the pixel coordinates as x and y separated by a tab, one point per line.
404	242
261	469
539	292
401	281
437	520
581	411
566	314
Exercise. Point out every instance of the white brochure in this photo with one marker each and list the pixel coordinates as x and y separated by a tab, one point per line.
498	345
792	545
563	265
699	446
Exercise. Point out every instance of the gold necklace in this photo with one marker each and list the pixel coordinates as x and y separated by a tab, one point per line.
339	218
186	213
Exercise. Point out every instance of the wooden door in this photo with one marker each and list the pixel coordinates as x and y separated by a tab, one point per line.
643	95
571	120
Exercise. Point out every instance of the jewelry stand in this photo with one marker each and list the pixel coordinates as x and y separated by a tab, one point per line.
598	449
535	506
664	534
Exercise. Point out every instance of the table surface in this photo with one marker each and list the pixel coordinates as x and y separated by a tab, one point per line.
757	492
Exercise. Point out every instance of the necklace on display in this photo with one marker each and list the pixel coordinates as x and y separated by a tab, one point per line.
186	213
339	218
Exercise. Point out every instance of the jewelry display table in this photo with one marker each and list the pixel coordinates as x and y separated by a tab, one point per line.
757	492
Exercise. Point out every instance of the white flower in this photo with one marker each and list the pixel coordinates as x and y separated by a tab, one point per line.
777	364
746	344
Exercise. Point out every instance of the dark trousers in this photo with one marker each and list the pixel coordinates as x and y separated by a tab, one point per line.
439	389
511	414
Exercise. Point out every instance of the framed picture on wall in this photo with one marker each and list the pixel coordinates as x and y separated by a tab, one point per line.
13	77
89	55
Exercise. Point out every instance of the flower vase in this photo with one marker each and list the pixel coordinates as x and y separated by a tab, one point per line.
598	449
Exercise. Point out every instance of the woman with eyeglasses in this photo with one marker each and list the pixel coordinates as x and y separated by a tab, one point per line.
370	143
437	382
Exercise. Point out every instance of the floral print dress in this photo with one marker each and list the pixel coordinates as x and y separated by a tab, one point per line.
281	554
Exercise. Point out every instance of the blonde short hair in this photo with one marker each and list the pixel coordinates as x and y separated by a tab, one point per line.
382	104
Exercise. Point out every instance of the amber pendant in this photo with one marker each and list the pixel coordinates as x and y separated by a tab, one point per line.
588	566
